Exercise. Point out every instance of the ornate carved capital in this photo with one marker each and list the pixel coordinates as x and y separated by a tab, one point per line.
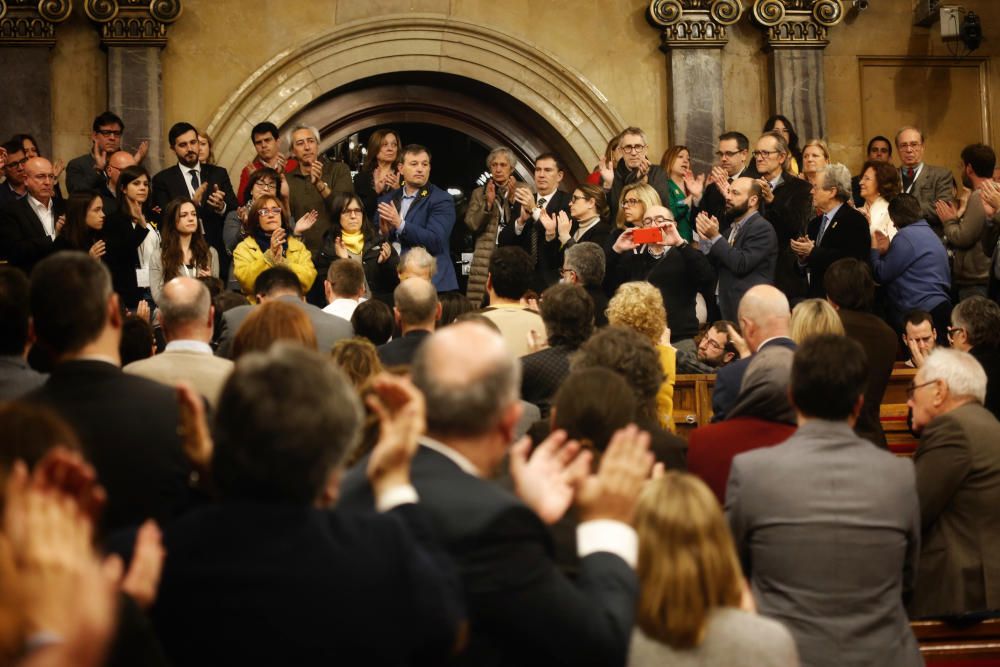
797	24
693	23
133	22
31	22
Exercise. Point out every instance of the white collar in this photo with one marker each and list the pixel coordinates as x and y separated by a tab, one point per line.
37	205
444	450
188	346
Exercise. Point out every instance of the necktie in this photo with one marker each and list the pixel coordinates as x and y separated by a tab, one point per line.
822	229
535	232
732	233
909	173
541	203
194	180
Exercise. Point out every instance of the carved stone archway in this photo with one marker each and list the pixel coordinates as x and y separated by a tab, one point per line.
294	78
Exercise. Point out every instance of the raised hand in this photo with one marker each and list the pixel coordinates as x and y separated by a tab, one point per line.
277	243
945	210
401	412
142	310
491	194
563	226
100	157
196	439
624	242
135	212
97	250
695	185
199	194
384	253
738	342
305	222
548	224
57	168
316	174
612	492
643	167
766	193
990	193
339	249
217	200
60	223
545	480
802	247
707	226
143	577
607	173
388	215
524	197
140	153
880	242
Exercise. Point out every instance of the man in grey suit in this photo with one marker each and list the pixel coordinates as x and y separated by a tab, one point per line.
827	525
929	184
958	482
281	284
747	256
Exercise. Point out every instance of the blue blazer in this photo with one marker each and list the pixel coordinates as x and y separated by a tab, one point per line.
429	222
729	379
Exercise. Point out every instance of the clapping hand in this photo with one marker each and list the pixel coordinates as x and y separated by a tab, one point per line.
548	224
563	225
140	152
802	247
97	250
199	194
707	226
545	478
491	194
524	197
217	200
401	412
305	222
990	193
100	157
612	492
945	210
316	173
766	193
142	310
339	249
643	167
384	253
607	168
60	223
388	216
880	242
277	243
57	168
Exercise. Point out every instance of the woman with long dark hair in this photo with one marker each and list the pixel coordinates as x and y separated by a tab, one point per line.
133	223
378	173
783	126
352	236
183	248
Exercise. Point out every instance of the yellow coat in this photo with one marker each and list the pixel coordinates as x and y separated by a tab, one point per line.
249	262
665	397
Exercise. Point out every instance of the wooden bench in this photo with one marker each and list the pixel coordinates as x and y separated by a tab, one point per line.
949	645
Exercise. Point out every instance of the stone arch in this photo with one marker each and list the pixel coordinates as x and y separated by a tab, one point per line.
293	79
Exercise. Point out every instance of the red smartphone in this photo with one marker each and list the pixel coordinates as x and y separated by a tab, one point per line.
647	235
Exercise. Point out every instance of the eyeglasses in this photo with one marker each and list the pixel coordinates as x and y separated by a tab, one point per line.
266	186
274	210
110	133
727	154
913	388
353	211
954	330
711	342
765	154
909	144
578	198
633	148
630	202
658	220
18	164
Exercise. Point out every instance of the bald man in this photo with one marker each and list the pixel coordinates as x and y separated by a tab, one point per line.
187	317
29	225
417	311
521	609
765	320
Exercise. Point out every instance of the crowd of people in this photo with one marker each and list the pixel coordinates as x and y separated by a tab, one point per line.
280	424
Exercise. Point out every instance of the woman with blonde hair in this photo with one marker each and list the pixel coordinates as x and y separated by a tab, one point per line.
815	158
813	317
639	306
358	358
694	606
632	205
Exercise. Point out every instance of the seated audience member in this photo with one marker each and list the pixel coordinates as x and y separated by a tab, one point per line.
693	604
491	208
417	263
879	183
183	248
847	507
813	317
521	609
976	329
77	316
358	359
453	306
416	313
631	355
344	287
919	336
713	351
509	278
373	320
761	417
568	314
138	340
764	321
269	243
280	284
186	318
851	290
28	226
958	482
583	265
639	306
285	423
913	269
270	322
16	377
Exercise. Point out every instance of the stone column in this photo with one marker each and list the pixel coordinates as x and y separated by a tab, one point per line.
27	34
134	33
796	33
693	36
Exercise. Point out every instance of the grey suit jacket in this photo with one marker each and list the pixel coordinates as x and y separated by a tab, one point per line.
828	529
17	378
932	183
329	328
749	261
206	373
958	481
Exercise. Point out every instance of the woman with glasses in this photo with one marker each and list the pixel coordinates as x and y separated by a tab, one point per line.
636	199
352	236
183	248
269	242
783	126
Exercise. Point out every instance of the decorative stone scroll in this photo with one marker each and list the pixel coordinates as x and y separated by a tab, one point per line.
693	23
133	22
797	24
31	22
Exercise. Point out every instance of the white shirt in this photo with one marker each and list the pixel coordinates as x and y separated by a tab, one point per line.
187	171
44	214
198	346
343	307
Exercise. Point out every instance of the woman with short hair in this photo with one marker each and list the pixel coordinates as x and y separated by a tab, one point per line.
815	158
269	242
878	184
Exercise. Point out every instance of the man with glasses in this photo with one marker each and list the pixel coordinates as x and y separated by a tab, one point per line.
29	225
929	184
975	328
715	350
957	466
635	167
13	189
786	202
87	172
732	162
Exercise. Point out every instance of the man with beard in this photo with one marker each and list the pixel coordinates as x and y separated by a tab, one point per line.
715	350
734	161
208	185
747	255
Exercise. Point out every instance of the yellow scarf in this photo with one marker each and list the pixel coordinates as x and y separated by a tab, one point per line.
354	243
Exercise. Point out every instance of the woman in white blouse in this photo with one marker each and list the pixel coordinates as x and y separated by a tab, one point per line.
879	183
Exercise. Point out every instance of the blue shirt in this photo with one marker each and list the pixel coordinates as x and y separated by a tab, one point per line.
915	271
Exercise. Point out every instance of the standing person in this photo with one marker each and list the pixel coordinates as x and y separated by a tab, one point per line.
588	210
877	185
86	230
676	163
265	139
130	221
879	150
929	184
87	172
851	511
634	167
783	127
205	146
352	236
183	248
28	226
491	209
733	161
269	243
420	214
378	174
815	158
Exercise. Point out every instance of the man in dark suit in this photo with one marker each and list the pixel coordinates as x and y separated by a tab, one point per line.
929	184
734	162
13	187
417	310
309	584
958	481
585	223
207	184
420	214
764	320
90	171
127	424
536	220
282	284
635	167
838	231
826	526
522	611
28	226
16	377
747	255
851	290
584	265
786	202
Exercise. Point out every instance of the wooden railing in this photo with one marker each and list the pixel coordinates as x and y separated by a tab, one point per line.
946	645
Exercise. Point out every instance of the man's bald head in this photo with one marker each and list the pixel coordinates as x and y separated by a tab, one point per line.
468	377
118	161
39	178
416	302
186	310
764	313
